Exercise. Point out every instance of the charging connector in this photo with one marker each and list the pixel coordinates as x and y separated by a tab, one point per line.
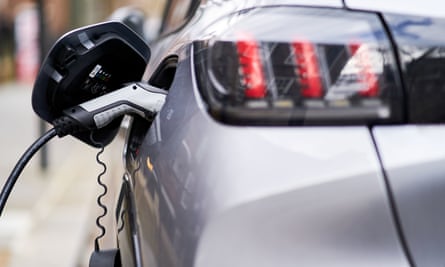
133	99
136	99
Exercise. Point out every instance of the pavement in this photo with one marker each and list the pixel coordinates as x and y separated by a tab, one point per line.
49	219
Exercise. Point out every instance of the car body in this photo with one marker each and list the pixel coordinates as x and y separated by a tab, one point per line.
208	185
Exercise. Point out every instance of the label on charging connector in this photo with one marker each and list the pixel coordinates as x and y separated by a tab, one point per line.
97	81
94	72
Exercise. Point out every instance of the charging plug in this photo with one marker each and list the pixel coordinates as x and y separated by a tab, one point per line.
136	99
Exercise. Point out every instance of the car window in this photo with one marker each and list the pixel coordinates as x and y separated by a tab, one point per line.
176	15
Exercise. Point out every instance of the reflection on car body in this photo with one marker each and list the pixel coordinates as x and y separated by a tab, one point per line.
294	134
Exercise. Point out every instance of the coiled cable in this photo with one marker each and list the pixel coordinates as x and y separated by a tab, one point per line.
102	195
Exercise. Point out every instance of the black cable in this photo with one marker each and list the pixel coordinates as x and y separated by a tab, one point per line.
100	200
15	173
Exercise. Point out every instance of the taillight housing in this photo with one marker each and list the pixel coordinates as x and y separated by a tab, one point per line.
295	65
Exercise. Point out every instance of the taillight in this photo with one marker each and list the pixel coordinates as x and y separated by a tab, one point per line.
421	48
308	69
251	68
293	65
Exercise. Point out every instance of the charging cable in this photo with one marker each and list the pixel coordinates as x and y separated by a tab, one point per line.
15	173
133	99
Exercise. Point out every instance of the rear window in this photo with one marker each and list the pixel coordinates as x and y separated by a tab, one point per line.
176	14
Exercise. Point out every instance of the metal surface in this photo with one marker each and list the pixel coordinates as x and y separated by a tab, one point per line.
413	158
433	8
209	194
197	27
215	195
42	50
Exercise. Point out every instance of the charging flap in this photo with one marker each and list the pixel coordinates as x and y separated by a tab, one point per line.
87	63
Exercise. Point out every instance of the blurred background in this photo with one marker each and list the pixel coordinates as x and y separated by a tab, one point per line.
49	219
20	33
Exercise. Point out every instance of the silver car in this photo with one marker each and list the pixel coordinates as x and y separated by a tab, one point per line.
294	133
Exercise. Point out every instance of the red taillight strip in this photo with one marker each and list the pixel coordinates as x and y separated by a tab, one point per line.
366	74
308	69
251	68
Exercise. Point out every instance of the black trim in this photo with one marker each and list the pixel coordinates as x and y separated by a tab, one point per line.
395	51
392	204
164	75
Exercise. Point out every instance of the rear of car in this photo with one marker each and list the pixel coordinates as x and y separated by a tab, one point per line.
294	134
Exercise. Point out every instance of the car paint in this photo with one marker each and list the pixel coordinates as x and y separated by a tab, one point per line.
411	154
210	194
209	12
315	194
430	8
413	158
